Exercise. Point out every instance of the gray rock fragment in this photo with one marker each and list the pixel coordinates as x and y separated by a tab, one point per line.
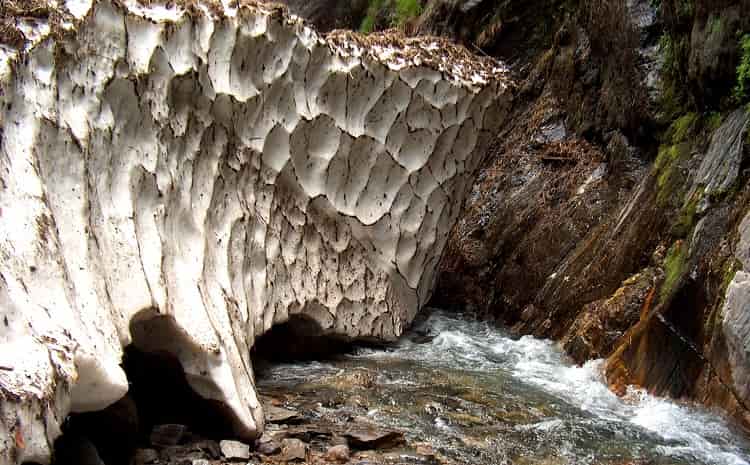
372	437
280	415
339	453
267	445
293	449
721	163
234	450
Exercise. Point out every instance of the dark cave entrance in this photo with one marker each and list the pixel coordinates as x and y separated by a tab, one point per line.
299	339
159	394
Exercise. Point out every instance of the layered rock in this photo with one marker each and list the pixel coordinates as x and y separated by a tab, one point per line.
611	217
183	179
735	322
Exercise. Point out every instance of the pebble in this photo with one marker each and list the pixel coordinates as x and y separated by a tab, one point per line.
293	449
235	450
338	453
267	445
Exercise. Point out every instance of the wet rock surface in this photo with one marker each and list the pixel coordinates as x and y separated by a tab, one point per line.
602	323
720	166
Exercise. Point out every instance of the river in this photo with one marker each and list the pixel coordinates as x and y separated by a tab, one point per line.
477	395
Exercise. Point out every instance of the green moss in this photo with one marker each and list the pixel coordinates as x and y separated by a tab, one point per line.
670	177
667	153
715	26
676	148
664	181
682	127
713	121
398	12
688	214
742	87
672	101
667	47
674	267
368	23
731	267
667	161
674	96
679	140
406	10
685	8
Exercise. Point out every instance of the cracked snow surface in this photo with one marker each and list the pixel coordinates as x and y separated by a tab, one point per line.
185	181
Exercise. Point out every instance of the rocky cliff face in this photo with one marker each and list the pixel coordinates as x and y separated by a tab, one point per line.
184	178
611	216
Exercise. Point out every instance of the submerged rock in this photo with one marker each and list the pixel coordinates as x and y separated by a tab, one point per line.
184	178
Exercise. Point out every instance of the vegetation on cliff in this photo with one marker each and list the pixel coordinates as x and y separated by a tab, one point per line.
390	13
742	88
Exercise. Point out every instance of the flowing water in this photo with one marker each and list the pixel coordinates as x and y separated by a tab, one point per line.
479	396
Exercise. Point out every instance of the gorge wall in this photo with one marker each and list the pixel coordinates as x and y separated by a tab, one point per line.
612	214
184	178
